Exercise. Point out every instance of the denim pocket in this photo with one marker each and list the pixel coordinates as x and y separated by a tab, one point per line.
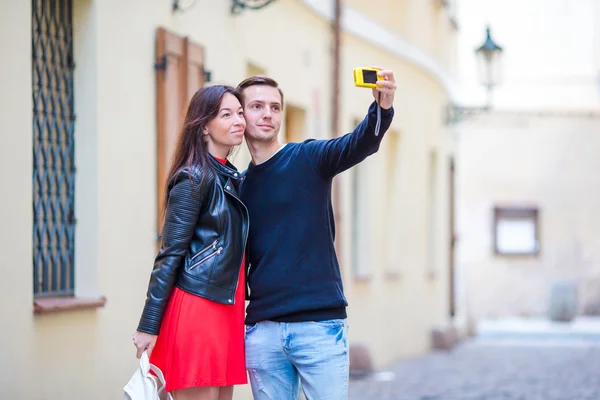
251	328
330	323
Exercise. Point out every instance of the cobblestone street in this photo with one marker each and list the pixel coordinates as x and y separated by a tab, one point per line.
491	370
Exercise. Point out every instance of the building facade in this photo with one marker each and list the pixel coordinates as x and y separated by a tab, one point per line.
526	170
93	93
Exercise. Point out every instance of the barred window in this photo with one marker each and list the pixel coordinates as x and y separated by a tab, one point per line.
53	148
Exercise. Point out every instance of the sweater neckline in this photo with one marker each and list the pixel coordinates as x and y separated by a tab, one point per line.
269	160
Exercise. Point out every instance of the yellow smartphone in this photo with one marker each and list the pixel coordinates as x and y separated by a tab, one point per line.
366	77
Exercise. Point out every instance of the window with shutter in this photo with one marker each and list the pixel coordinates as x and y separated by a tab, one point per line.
179	74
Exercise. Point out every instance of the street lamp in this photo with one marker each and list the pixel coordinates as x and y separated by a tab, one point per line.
238	5
489	57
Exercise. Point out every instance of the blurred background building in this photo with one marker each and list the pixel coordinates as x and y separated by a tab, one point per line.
527	171
92	96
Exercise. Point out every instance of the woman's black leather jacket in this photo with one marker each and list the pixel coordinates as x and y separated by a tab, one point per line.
203	241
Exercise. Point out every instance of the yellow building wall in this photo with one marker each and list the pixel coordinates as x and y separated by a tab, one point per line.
394	307
88	353
18	329
424	23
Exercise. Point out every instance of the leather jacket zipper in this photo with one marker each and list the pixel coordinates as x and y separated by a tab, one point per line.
245	243
213	245
216	253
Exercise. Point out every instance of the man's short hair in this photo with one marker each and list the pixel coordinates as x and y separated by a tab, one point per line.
260	80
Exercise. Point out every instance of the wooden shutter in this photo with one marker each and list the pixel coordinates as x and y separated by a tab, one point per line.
179	74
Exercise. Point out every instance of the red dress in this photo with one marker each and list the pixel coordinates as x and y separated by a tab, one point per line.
201	342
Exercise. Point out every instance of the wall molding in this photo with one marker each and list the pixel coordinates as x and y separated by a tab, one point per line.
356	23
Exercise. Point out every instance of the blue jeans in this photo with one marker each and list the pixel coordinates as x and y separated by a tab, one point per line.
281	355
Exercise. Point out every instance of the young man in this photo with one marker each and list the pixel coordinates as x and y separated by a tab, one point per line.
296	327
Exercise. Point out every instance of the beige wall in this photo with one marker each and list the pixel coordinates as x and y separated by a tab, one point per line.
88	353
549	162
15	177
423	23
396	280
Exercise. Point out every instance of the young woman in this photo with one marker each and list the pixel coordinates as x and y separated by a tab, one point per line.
192	325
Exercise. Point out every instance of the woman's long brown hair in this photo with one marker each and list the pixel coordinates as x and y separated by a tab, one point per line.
192	150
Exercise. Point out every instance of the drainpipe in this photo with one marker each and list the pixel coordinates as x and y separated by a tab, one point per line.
335	117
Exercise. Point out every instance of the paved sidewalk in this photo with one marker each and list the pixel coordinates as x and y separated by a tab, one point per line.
582	328
541	361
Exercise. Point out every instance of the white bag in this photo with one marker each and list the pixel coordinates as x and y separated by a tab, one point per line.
143	386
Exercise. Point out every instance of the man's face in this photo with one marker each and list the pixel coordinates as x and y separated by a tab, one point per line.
263	110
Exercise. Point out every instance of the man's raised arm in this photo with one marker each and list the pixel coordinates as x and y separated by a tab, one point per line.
330	157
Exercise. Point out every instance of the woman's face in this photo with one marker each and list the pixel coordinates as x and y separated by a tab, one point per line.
227	128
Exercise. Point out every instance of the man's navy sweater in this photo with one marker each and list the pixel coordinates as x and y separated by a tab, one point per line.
294	273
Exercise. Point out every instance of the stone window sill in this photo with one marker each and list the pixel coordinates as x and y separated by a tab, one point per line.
363	277
47	305
393	275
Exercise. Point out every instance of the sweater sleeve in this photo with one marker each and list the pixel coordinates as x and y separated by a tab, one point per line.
330	157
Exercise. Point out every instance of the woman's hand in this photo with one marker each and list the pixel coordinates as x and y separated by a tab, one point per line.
143	341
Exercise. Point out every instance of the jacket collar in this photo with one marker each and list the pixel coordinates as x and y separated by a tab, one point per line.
227	169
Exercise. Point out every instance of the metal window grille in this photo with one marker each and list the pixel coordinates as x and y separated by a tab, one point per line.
53	148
